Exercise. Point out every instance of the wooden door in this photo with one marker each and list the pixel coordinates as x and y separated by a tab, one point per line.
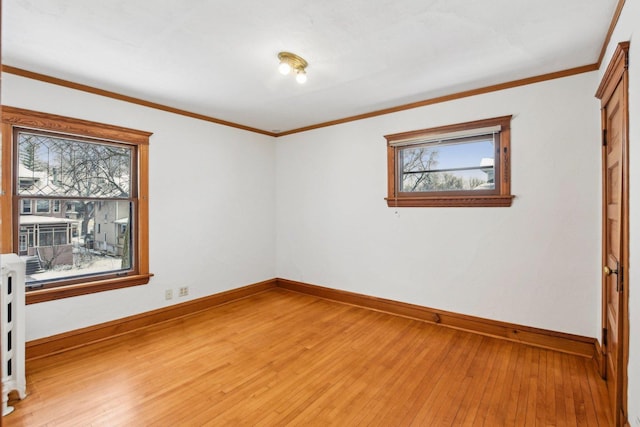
613	93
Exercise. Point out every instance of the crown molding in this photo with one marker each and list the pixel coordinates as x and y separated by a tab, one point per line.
612	27
459	95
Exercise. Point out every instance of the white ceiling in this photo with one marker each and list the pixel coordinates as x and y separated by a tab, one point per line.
219	57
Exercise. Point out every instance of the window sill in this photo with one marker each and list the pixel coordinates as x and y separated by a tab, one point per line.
37	296
450	201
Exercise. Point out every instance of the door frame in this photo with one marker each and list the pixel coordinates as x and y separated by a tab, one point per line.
617	73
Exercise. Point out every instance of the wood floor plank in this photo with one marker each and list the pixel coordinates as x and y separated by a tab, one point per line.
282	358
436	405
399	393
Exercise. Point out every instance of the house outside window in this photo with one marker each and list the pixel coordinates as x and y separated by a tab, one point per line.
65	176
466	164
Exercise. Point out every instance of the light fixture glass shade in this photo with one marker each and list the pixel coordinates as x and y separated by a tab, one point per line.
301	77
290	61
284	68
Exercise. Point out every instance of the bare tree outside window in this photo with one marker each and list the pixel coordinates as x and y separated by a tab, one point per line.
422	170
90	182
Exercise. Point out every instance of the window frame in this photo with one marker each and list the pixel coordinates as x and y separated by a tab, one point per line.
500	196
20	118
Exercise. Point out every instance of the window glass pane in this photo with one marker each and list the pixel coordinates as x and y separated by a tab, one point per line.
22	246
42	206
45	237
60	236
50	165
25	206
85	238
448	166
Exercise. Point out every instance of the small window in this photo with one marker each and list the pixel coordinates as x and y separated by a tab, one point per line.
466	164
42	206
22	246
25	206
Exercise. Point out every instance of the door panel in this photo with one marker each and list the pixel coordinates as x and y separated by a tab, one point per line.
612	249
613	93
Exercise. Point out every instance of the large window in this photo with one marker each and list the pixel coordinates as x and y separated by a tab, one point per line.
79	196
466	164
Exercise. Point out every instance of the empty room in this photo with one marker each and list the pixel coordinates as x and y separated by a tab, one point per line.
401	213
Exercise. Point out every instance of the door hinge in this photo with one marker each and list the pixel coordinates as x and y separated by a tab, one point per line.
604	338
604	137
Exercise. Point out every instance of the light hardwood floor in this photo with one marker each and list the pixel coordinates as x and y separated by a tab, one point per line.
282	358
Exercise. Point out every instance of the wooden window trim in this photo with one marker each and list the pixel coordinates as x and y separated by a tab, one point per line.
500	197
17	117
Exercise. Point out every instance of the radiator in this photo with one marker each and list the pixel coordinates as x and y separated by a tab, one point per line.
12	328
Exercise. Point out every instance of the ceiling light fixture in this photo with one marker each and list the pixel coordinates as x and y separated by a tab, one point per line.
290	61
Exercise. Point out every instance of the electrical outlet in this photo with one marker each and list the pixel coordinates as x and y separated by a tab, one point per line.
168	294
184	291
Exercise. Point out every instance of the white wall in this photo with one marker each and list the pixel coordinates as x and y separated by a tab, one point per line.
211	228
535	263
628	29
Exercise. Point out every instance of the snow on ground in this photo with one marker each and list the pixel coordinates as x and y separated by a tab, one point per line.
97	264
